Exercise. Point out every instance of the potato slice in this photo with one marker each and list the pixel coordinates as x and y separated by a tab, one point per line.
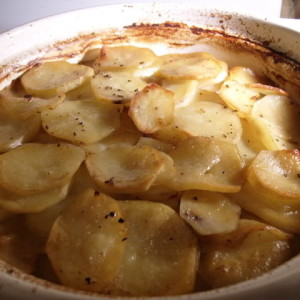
160	247
52	78
192	66
277	120
209	212
82	121
125	134
123	57
272	190
125	169
84	91
208	164
243	75
15	203
208	119
86	243
239	97
209	96
152	108
25	107
117	87
15	131
34	168
159	145
17	246
184	90
252	249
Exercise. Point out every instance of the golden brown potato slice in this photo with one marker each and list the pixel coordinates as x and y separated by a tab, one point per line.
86	243
52	78
252	249
34	168
27	106
117	87
193	66
277	120
82	121
161	253
125	169
152	108
17	204
208	164
208	119
272	190
123	57
209	212
15	131
184	90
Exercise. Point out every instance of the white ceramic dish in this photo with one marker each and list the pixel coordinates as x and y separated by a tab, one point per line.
70	35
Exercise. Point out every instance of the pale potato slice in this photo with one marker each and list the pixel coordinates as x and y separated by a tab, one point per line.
272	190
83	121
15	131
86	243
17	246
84	91
193	66
209	212
34	168
266	89
160	248
25	107
36	203
52	78
157	144
125	169
184	90
152	108
208	119
243	75
208	164
123	57
239	97
171	134
277	120
252	249
117	87
249	145
209	96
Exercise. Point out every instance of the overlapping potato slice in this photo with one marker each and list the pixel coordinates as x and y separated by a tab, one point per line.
83	121
52	78
86	243
193	66
208	119
272	190
152	108
34	168
157	144
239	97
41	223
25	107
252	249
84	91
208	164
277	120
17	246
161	253
36	203
117	87
243	75
125	169
15	131
209	212
184	90
123	57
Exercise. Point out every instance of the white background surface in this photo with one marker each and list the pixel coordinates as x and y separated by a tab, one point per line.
14	13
